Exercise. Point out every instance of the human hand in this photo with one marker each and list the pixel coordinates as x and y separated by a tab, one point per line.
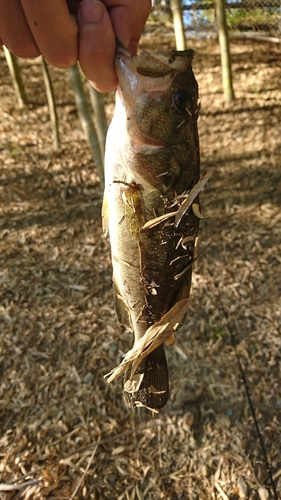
65	31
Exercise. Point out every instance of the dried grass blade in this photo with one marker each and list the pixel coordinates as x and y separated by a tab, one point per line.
86	470
154	222
18	486
191	197
154	336
221	492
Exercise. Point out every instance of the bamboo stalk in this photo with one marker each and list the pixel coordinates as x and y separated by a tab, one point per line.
178	24
224	52
16	77
86	118
97	102
51	104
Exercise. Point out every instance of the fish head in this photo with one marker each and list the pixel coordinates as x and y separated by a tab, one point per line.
159	93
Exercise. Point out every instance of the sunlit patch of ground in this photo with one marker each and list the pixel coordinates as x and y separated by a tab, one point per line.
58	327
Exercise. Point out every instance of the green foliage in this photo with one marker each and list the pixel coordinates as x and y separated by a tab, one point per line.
254	18
206	18
16	151
257	90
245	18
161	13
217	333
158	15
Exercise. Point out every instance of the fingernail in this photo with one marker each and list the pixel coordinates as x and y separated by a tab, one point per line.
91	11
133	47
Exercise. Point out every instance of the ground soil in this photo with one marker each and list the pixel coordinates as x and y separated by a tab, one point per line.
60	421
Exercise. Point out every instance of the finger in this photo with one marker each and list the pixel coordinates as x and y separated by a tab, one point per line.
16	35
54	29
97	45
128	19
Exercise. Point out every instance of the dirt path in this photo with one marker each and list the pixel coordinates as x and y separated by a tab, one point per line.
58	328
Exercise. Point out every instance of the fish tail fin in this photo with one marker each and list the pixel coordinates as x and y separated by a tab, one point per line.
152	390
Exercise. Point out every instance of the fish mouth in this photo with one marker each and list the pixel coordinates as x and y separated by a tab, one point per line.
150	75
147	72
159	63
137	74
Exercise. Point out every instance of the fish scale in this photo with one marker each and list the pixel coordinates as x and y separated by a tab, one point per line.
152	159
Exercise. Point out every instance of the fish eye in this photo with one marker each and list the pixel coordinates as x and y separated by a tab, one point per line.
180	101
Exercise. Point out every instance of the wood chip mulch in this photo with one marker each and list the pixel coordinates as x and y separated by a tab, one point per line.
66	433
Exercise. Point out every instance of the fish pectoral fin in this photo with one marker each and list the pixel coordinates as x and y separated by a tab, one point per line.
122	310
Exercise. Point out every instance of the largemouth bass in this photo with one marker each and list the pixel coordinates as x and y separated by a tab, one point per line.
151	167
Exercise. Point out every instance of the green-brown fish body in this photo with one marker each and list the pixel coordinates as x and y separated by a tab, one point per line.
152	161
